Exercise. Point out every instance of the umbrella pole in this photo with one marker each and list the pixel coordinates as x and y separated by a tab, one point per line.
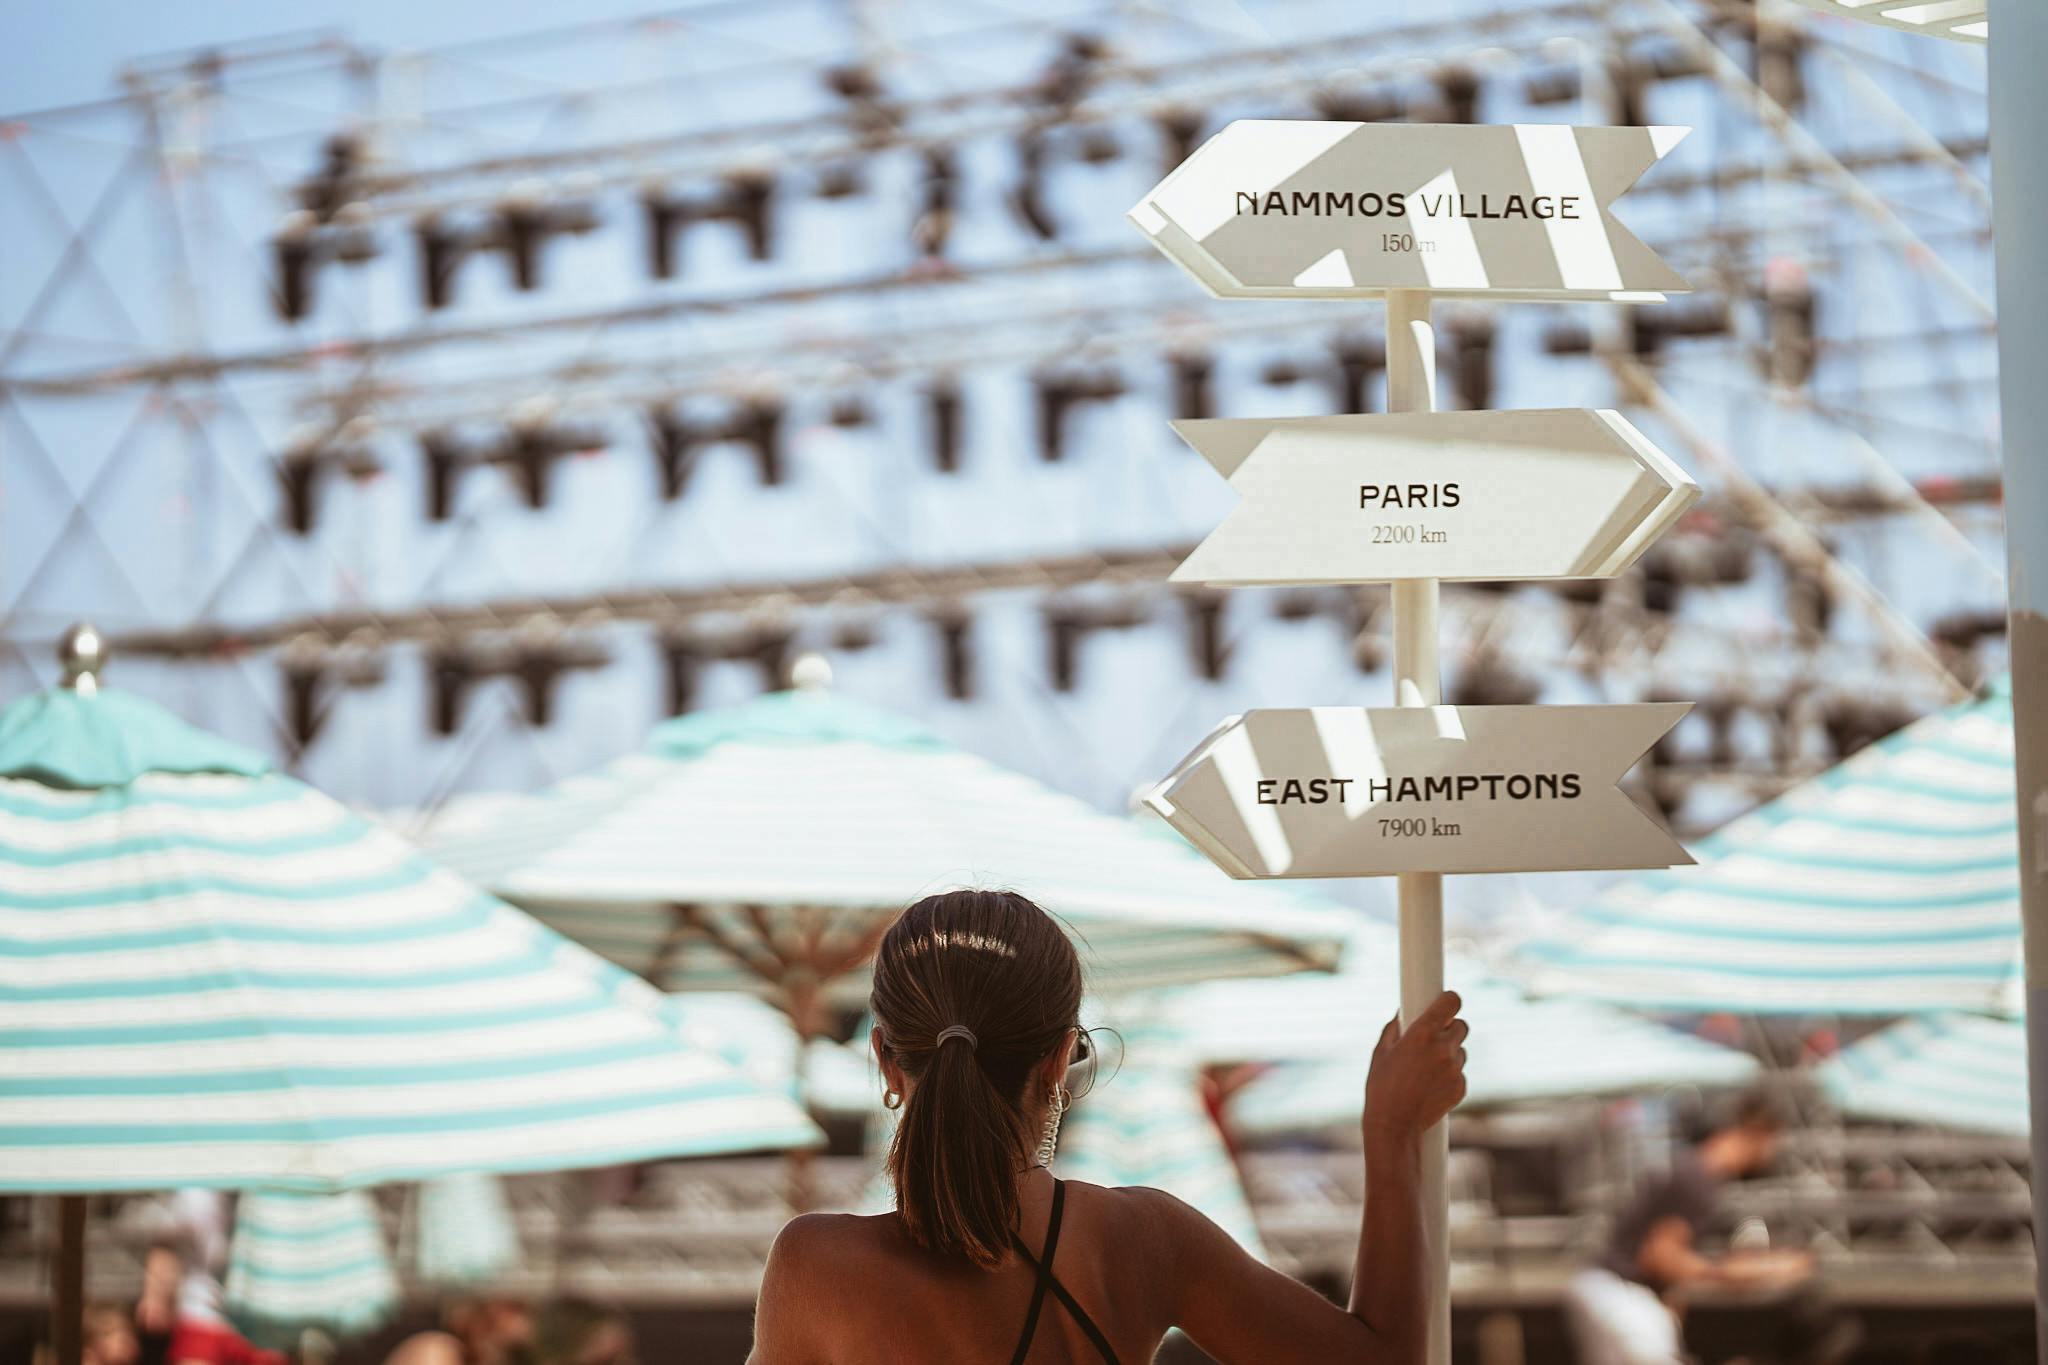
804	1005
67	1282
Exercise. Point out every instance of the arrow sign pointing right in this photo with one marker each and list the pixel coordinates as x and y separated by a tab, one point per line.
1293	208
1340	791
1539	493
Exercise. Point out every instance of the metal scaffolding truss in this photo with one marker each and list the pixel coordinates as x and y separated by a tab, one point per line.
168	440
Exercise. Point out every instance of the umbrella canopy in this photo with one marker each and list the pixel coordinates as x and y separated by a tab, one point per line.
465	1231
1520	1050
1947	1070
1888	885
211	974
1321	1030
766	847
298	1261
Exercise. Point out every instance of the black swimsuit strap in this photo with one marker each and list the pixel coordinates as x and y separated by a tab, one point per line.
1052	1237
1047	1280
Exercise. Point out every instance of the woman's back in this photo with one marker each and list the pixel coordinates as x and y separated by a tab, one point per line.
873	1296
987	1258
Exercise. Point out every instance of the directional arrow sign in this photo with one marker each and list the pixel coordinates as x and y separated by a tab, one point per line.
1292	208
1336	791
1542	493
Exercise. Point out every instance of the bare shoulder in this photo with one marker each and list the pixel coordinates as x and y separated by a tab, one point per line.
1141	1213
818	1240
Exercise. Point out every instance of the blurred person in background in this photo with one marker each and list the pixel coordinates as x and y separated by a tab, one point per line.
1628	1309
181	1285
110	1337
977	998
579	1331
474	1331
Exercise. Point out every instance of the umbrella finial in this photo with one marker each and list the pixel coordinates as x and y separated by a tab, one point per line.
83	652
810	673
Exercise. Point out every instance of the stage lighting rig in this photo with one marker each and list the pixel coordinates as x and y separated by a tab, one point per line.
1204	609
679	439
1059	391
1180	130
1359	106
955	625
1068	621
1854	723
309	670
1789	323
766	644
1472	373
535	656
1649	327
534	439
1358	360
519	226
943	403
1073	73
939	198
868	110
1456	94
1193	395
1487	679
745	199
1027	198
1628	79
305	242
527	446
309	454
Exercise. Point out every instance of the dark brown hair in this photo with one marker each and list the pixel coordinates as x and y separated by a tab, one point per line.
994	963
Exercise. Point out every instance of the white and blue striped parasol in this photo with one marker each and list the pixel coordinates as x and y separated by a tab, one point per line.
299	1261
1945	1070
1888	885
465	1233
775	840
211	974
1318	1033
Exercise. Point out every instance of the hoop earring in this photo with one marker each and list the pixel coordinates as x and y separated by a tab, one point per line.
891	1100
1056	1102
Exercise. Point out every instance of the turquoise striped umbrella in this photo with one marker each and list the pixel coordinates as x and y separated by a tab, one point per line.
464	1230
1888	885
766	846
211	974
1319	1033
1946	1070
299	1261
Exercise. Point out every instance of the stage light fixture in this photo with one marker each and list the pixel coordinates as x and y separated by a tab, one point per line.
1059	391
744	199
943	410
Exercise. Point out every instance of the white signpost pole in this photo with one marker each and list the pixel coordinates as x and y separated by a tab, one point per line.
1411	387
1308	208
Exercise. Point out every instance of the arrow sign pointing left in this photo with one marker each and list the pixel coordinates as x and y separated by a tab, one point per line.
1293	208
1336	791
1539	493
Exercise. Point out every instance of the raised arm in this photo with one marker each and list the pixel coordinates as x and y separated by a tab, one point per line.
1239	1310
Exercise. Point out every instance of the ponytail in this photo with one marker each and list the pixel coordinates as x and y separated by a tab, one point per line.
996	976
954	1160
